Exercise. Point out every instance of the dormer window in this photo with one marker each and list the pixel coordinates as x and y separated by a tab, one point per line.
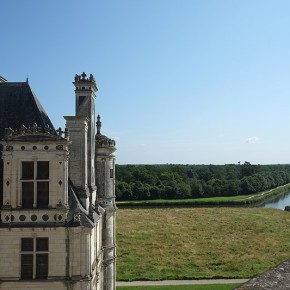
35	184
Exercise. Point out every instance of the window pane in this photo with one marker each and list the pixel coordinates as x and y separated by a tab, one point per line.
41	266
42	244
26	266
27	244
27	194
28	170
43	170
42	194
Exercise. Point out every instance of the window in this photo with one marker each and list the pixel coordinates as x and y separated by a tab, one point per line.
81	98
34	258
35	184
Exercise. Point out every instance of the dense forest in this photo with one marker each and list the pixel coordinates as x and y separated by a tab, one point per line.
143	182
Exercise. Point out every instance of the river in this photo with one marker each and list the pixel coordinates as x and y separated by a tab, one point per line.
280	202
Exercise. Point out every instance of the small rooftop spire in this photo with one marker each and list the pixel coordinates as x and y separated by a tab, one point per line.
99	124
27	79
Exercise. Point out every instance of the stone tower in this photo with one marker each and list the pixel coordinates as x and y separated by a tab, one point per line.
105	180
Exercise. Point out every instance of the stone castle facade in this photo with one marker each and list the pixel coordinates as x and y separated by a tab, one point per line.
57	194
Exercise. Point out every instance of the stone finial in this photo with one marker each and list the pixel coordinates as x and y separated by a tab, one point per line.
83	75
83	78
77	78
99	124
92	79
102	140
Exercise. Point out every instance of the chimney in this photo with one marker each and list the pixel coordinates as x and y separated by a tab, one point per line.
2	80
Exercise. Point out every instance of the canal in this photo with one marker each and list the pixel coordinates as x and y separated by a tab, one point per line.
280	202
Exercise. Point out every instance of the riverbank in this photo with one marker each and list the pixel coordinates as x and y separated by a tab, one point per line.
235	201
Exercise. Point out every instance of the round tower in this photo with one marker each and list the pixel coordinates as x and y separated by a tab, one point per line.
105	181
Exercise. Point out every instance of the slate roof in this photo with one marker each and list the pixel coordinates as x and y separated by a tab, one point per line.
19	105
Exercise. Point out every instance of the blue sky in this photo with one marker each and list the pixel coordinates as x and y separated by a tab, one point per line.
180	81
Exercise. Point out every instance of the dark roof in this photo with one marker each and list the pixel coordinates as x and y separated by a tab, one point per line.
20	106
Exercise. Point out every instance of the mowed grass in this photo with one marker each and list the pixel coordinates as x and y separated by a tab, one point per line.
183	287
196	243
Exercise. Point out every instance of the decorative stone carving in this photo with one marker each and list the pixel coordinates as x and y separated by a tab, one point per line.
102	140
77	216
45	217
59	147
33	217
34	129
59	217
83	78
22	217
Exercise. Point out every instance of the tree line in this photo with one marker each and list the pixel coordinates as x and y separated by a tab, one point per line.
144	182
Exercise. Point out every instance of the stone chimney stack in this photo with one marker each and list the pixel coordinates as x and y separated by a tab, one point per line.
82	135
85	90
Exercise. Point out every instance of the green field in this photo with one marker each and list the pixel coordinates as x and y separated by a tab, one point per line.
195	243
183	287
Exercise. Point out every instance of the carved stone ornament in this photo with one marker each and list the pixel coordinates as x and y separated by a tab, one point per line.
83	78
59	147
77	216
58	217
34	129
102	140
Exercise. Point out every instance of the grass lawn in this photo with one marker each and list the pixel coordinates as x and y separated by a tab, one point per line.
195	243
183	287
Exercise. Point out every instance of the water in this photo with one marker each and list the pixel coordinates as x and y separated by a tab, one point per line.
280	202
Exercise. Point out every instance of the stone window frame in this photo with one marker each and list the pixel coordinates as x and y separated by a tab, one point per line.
33	249
35	180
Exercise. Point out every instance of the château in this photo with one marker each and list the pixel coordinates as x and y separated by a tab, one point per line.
57	194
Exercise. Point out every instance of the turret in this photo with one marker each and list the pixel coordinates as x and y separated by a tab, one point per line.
105	181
